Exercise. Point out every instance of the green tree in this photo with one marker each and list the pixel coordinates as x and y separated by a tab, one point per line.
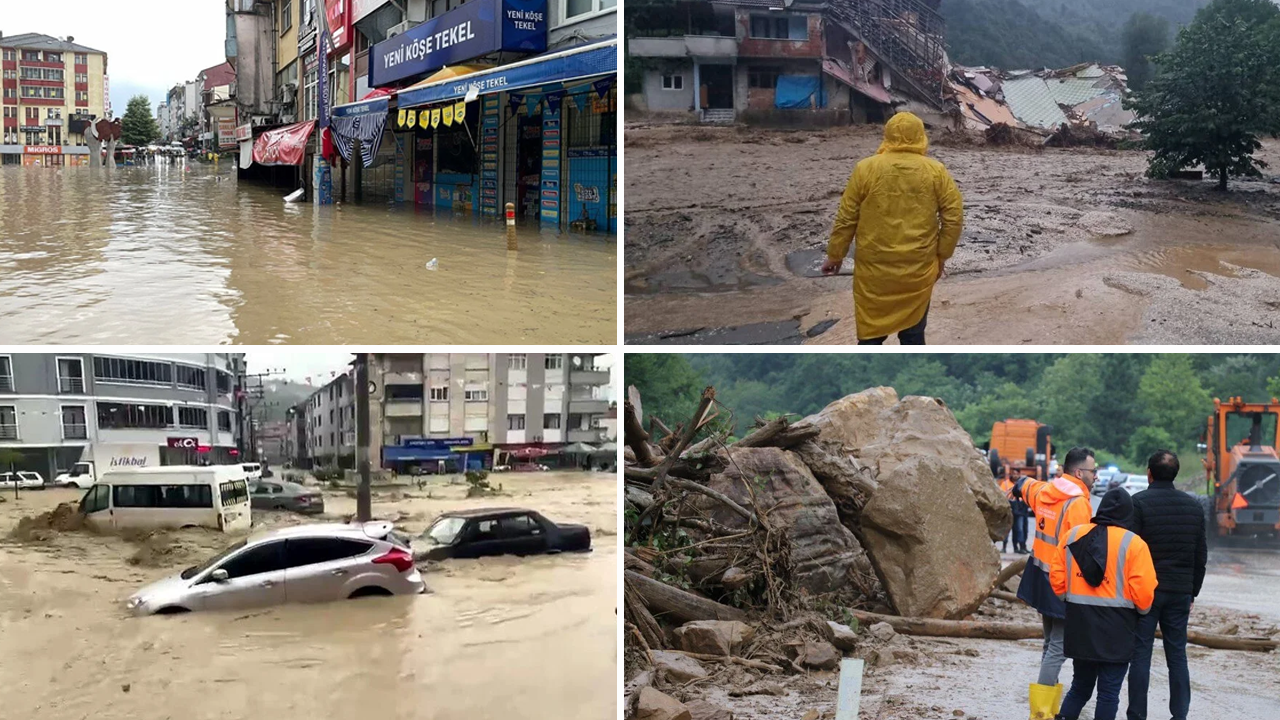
1172	398
1216	92
1145	35
1072	388
669	387
1146	440
1008	401
138	124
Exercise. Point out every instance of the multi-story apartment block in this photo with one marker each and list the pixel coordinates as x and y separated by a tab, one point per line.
49	91
54	405
330	424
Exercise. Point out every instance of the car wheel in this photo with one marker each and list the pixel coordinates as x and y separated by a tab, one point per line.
370	591
172	610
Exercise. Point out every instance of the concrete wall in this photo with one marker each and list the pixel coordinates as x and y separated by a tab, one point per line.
593	26
658	99
255	60
773	48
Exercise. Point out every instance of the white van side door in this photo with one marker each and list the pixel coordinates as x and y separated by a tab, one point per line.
96	507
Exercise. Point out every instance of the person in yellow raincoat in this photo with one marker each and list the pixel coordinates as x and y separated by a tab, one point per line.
905	212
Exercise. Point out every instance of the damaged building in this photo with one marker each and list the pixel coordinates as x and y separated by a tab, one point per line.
1085	95
782	61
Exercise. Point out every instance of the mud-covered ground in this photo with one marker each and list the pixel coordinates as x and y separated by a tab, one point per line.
950	678
1059	246
494	638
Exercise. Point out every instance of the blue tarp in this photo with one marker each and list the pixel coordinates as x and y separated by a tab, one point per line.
799	91
599	58
396	453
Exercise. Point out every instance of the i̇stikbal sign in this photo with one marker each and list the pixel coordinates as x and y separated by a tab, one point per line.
476	28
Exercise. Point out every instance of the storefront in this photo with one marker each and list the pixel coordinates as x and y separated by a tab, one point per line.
429	456
54	155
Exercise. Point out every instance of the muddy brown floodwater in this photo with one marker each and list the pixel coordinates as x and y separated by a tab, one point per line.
1059	246
158	255
495	638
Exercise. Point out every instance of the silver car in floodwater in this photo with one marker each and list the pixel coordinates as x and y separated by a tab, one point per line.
305	563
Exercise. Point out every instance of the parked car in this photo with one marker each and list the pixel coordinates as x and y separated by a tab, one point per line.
500	531
1133	483
285	495
304	563
24	479
1102	482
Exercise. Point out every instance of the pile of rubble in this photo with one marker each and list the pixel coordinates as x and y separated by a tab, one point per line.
1086	98
741	553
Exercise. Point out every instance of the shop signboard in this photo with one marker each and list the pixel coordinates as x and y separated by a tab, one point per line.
244	132
188	443
42	149
226	133
474	29
337	14
436	442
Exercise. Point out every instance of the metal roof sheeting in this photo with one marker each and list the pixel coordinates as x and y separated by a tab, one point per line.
1032	102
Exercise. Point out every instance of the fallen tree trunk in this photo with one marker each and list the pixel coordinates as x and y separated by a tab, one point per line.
1008	571
642	619
779	433
677	605
732	659
1230	642
1005	595
954	628
636	437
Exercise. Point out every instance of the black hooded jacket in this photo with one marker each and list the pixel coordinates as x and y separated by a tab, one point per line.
1172	524
1100	634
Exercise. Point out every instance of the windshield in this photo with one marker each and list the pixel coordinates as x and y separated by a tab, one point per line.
80	469
197	569
445	530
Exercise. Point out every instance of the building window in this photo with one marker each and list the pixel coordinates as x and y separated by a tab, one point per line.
440	393
310	100
53	57
132	372
82	59
672	82
554	362
224	420
74	424
769	27
114	416
476	396
286	16
515	422
82	96
763	77
193	417
10	55
8	422
189	377
71	375
574	8
224	383
551	421
6	374
33	55
517	362
82	77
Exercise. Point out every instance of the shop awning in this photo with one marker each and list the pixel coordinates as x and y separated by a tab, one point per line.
395	453
481	447
451	72
363	121
283	146
839	72
368	106
586	61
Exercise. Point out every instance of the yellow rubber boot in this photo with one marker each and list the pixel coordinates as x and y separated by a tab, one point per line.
1043	700
1057	699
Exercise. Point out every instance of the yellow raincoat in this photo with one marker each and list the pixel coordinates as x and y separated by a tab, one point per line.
906	212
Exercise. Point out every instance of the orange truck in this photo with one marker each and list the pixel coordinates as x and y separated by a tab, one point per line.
1242	468
1021	446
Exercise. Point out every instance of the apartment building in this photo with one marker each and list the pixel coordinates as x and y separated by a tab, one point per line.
50	88
329	422
53	406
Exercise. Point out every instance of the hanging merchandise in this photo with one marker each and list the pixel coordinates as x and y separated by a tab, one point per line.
424	118
460	110
400	120
447	115
411	120
435	117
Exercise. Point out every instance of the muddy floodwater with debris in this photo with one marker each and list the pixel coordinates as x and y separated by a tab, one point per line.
498	637
725	227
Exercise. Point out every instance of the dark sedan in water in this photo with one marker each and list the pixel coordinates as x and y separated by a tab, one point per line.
500	531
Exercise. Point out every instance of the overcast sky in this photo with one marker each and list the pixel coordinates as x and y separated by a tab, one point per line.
151	45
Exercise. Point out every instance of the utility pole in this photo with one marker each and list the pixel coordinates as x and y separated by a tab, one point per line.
249	445
364	505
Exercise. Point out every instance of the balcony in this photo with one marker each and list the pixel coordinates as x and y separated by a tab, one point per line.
594	435
588	406
75	431
403	408
708	46
402	378
589	376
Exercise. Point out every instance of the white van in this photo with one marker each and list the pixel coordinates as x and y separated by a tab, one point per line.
253	470
170	496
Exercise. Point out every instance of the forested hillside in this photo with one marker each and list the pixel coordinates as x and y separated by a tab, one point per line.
1010	34
1125	404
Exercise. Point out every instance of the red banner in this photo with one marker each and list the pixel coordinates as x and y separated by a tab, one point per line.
338	15
283	146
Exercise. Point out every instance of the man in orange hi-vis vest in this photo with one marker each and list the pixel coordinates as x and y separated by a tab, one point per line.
1105	575
1058	505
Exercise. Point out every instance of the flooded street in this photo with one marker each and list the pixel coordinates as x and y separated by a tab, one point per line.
158	255
493	638
1060	246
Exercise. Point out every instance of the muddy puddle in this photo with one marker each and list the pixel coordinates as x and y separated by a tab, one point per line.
494	638
1059	246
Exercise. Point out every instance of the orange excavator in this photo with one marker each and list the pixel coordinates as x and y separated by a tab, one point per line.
1024	447
1242	469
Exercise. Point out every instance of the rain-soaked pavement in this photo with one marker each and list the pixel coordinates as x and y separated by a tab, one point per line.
505	638
167	255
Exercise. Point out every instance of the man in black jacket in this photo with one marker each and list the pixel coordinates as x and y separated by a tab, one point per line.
1172	524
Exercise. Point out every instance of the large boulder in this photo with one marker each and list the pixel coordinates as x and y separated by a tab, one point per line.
928	541
713	637
883	432
823	552
676	667
657	705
